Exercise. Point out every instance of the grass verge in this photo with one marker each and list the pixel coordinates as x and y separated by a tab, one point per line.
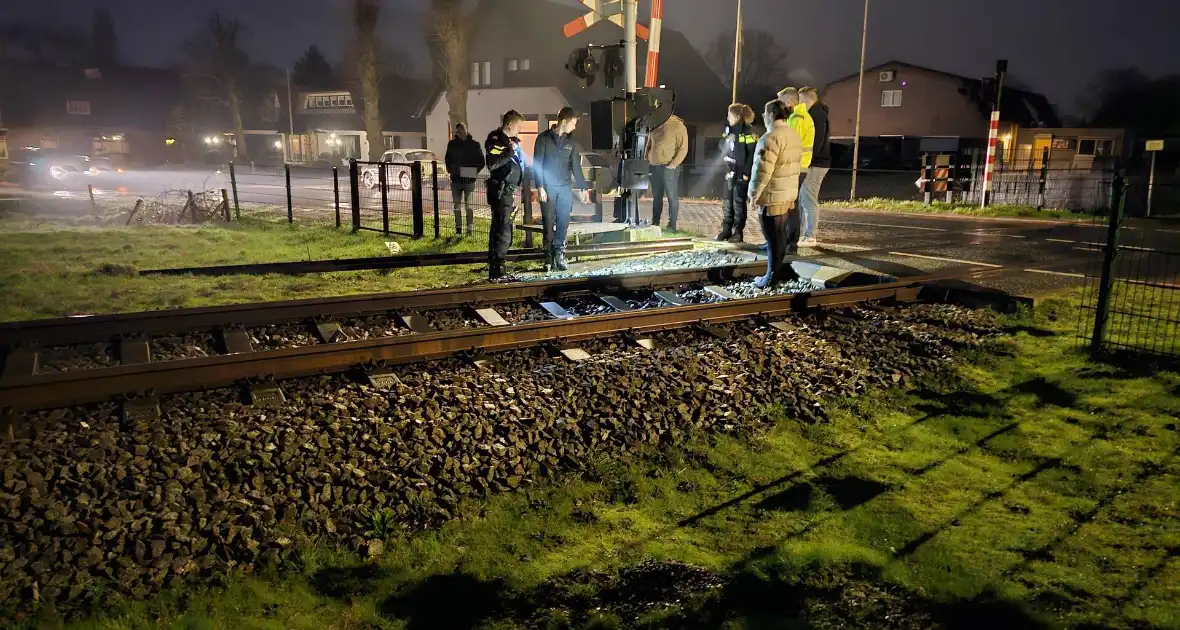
1027	488
960	209
53	270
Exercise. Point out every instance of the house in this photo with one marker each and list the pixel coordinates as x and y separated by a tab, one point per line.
121	113
330	125
909	109
517	60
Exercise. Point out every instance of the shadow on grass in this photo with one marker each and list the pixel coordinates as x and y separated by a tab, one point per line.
348	582
969	404
1047	393
848	492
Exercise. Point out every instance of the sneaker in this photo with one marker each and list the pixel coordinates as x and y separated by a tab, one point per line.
809	242
560	263
737	238
764	281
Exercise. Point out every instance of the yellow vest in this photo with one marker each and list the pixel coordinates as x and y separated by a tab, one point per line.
803	125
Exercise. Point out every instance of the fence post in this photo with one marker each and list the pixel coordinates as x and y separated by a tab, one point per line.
434	184
416	199
225	203
526	200
383	184
1044	179
290	206
927	179
1110	253
192	208
952	174
336	192
354	185
233	184
90	190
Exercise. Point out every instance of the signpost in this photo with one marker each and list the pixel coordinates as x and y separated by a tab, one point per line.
1153	147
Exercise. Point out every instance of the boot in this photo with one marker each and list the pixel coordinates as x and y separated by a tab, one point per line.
559	261
726	233
737	237
458	225
495	271
549	264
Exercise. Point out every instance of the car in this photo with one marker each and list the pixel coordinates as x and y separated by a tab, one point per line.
398	174
51	163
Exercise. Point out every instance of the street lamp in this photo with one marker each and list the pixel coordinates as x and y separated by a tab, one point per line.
860	89
737	51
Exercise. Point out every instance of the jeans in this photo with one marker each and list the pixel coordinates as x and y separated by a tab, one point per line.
502	203
665	180
555	217
813	179
463	196
782	238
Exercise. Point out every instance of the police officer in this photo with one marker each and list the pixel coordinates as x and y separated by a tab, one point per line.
505	173
738	145
557	169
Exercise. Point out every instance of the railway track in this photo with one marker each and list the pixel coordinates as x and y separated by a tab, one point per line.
559	314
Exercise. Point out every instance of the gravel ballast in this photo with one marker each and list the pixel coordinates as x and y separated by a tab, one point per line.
95	503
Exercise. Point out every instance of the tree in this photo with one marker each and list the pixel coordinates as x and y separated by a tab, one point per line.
44	43
217	67
104	43
364	18
448	33
1129	99
313	71
762	70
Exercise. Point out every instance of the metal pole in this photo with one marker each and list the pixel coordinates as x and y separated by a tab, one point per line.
1044	179
434	185
290	206
290	122
233	183
382	182
354	193
630	20
993	134
336	192
737	52
860	90
1151	182
1106	286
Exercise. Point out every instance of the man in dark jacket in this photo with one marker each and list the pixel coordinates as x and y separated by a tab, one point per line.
464	161
821	161
738	145
557	170
505	173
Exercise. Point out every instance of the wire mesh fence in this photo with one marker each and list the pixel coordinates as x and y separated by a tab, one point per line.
1131	298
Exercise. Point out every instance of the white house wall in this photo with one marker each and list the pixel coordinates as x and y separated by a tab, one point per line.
484	109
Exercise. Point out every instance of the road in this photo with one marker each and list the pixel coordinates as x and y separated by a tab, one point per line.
1052	254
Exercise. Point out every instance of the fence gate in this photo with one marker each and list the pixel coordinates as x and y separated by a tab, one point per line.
1131	300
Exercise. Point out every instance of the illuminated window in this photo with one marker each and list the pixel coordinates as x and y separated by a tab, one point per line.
1094	147
524	65
512	65
475	73
891	98
487	73
80	108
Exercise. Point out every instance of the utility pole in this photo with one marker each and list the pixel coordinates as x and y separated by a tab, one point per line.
737	52
290	123
860	91
993	135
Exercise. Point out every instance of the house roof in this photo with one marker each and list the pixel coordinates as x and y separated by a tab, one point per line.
401	99
1023	107
700	94
118	98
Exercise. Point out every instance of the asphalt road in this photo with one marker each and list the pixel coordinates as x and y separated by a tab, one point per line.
1049	255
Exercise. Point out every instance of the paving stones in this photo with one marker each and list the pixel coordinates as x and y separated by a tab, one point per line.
215	484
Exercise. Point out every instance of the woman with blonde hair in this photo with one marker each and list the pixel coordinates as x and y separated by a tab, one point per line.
738	148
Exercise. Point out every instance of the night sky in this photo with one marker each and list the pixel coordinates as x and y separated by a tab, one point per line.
1054	46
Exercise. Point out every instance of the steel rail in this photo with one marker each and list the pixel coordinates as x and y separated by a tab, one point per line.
425	260
45	391
75	330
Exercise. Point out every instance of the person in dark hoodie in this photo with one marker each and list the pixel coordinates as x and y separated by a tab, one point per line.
821	161
738	147
464	160
557	170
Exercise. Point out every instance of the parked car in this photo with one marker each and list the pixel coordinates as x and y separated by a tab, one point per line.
398	174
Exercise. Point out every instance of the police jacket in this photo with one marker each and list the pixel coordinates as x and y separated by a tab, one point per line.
504	165
557	162
463	153
739	143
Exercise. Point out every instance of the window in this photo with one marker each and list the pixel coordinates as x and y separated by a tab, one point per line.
487	73
475	73
3	145
518	65
891	98
512	65
1067	144
423	142
481	73
81	108
389	142
397	142
524	65
334	101
1097	148
92	73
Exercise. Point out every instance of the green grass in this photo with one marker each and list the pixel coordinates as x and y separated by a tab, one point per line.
53	270
1025	484
961	209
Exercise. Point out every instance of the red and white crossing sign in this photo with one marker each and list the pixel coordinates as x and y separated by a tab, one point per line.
611	10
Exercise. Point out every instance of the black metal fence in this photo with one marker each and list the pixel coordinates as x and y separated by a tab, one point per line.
1131	298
